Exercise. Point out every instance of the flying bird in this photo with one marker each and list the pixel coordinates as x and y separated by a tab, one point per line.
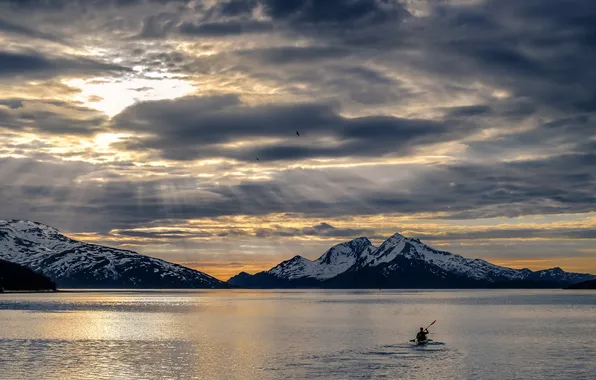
258	159
298	133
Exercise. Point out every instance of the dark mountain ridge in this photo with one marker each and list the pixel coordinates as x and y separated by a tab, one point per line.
590	284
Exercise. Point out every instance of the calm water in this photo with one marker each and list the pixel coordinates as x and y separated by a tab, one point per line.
298	334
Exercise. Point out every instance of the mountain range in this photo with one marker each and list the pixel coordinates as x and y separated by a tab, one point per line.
74	264
399	262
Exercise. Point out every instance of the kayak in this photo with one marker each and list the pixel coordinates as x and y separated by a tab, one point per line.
421	342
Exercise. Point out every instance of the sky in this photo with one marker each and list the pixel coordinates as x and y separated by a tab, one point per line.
169	127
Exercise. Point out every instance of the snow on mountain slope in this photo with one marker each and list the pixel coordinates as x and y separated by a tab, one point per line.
387	252
399	245
336	260
72	263
399	261
294	268
558	274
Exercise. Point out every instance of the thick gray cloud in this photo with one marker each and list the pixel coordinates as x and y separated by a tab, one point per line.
535	49
190	128
507	44
46	117
36	65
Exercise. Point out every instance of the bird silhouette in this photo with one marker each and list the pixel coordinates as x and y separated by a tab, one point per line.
298	133
258	159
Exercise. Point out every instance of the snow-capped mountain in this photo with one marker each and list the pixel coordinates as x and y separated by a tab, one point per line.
304	272
400	262
414	249
72	263
336	260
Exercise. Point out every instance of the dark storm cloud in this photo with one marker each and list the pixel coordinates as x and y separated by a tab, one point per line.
36	65
189	128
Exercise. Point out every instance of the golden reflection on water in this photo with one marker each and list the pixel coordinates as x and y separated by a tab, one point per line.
290	334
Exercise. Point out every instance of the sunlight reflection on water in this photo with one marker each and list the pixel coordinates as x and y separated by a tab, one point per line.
294	334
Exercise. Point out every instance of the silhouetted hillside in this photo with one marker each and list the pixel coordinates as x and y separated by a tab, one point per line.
17	277
590	284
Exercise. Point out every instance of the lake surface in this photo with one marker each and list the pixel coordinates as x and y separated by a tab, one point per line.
298	335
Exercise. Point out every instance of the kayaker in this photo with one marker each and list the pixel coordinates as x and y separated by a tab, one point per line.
421	336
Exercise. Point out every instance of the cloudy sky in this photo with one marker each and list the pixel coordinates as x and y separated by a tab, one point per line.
138	123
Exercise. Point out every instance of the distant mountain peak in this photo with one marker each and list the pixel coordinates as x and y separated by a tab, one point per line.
347	253
27	225
396	237
335	260
361	239
296	258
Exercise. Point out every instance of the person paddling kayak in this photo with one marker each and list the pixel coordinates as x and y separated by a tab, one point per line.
421	336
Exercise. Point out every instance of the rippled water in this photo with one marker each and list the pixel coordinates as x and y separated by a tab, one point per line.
298	334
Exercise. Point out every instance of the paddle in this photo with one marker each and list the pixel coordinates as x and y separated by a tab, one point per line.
435	321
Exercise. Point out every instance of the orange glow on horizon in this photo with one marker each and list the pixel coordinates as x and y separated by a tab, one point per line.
569	264
223	271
